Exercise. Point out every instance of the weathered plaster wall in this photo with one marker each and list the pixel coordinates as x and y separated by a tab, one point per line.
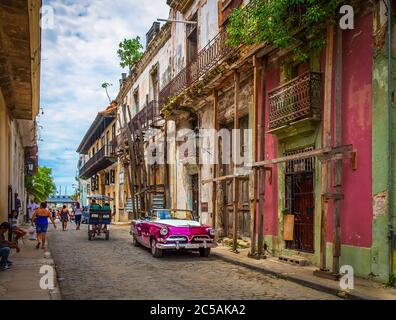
206	169
271	151
207	30
380	163
143	82
4	157
357	214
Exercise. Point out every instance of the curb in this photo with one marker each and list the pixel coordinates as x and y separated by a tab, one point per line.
305	283
55	293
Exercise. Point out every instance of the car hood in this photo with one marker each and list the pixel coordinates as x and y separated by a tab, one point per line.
180	223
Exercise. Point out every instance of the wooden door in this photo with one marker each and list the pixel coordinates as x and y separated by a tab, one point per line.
300	190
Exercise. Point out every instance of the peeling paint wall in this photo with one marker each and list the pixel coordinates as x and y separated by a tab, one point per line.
143	83
207	29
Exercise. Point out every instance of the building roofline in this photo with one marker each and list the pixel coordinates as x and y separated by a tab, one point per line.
95	125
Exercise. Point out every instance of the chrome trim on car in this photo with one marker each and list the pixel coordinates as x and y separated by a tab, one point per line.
178	246
176	238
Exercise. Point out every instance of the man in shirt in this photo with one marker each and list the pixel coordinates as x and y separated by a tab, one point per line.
18	204
5	247
31	209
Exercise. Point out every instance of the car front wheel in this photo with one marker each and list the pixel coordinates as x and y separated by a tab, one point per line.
204	252
134	241
156	252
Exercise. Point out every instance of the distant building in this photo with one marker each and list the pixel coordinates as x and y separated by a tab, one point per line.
98	166
19	99
59	201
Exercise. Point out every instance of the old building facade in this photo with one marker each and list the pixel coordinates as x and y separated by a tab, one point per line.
98	161
20	46
316	137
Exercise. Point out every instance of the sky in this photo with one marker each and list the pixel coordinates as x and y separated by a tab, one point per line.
79	53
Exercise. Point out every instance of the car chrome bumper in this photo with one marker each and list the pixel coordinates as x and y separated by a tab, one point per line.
177	246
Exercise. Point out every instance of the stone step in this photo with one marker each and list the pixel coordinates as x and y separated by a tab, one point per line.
296	260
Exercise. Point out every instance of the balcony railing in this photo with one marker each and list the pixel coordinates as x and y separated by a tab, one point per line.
99	161
295	100
217	49
209	56
146	117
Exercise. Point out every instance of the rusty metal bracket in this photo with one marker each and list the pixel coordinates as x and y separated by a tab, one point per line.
334	196
354	164
269	169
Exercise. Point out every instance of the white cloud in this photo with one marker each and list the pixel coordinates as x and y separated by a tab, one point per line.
78	55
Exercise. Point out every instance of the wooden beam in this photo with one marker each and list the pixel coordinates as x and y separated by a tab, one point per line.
236	149
225	178
215	158
253	111
166	167
261	188
338	163
326	141
130	171
329	151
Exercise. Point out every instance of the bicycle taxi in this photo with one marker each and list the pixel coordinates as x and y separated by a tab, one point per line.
99	217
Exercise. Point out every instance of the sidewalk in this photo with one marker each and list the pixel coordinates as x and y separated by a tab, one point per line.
21	282
364	289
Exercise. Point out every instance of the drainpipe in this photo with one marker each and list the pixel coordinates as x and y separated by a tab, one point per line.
390	140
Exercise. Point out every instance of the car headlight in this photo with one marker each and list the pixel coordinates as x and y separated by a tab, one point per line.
164	231
212	232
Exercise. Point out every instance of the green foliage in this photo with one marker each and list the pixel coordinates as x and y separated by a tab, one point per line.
41	185
105	85
74	197
283	23
129	52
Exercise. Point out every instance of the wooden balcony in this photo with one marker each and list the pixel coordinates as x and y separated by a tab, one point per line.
297	99
104	158
146	118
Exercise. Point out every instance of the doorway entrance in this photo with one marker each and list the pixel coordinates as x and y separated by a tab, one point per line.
300	200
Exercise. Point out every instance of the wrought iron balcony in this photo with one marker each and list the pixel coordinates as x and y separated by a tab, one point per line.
104	158
295	100
207	58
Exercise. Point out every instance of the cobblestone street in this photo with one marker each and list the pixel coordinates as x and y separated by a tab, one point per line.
115	269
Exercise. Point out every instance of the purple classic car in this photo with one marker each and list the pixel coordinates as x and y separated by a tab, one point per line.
165	229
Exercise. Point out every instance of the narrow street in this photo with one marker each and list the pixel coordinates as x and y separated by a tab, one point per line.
115	269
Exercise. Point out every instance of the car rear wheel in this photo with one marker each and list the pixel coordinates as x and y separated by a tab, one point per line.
155	252
204	252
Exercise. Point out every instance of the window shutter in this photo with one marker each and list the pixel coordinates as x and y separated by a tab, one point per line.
107	179
112	176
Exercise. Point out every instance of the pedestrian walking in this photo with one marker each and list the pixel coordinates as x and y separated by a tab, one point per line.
40	219
78	211
31	209
18	204
64	216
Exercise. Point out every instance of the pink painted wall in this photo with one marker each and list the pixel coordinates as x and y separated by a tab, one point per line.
271	146
356	210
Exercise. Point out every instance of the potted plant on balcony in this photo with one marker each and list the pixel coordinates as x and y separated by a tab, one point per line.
288	225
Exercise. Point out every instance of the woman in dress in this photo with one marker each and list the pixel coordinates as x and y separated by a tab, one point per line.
64	216
40	219
77	215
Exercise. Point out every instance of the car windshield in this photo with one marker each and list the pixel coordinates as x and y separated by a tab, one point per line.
171	214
